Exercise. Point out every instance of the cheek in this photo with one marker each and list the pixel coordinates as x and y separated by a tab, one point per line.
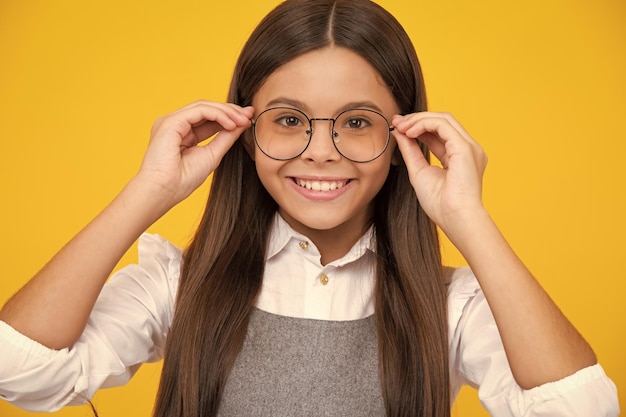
378	173
268	171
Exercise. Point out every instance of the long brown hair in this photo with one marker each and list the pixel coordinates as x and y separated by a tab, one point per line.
223	266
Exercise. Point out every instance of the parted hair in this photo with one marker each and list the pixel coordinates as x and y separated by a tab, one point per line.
223	265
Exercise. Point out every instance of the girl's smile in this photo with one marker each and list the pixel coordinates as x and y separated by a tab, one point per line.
321	189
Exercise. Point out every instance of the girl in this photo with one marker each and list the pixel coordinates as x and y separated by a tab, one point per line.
314	283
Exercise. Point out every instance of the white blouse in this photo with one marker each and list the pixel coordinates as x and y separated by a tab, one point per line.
131	319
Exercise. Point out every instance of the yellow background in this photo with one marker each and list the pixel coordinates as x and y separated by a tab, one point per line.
541	84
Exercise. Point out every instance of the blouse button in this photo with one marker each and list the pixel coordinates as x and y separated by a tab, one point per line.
303	245
324	279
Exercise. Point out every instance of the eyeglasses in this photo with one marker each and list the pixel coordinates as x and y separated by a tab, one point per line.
283	133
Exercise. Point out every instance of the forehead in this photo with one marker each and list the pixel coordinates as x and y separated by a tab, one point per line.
324	81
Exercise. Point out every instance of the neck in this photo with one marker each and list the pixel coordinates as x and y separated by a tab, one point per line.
335	242
331	248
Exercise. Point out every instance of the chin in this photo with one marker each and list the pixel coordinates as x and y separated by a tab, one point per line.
328	220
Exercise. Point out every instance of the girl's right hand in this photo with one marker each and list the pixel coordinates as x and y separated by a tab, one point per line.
174	161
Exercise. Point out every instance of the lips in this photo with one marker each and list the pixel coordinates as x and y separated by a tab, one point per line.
320	185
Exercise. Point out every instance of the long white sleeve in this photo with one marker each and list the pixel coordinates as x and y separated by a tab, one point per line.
477	358
128	326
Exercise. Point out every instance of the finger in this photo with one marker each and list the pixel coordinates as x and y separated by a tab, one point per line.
428	131
415	125
404	122
206	129
468	146
439	133
411	152
211	154
198	122
235	111
226	116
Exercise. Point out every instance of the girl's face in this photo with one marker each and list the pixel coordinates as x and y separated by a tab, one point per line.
320	191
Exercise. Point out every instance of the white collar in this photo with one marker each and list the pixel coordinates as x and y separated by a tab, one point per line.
281	235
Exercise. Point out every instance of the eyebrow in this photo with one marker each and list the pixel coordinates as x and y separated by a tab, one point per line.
285	101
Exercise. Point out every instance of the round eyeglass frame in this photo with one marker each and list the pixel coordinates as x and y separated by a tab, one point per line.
334	134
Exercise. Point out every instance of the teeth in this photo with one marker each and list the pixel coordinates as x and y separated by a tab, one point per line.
320	185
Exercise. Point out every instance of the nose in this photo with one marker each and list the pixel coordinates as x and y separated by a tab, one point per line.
321	147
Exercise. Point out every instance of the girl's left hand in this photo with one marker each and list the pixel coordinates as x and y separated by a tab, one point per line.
453	194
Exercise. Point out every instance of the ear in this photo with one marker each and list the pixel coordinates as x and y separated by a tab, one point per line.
248	143
396	157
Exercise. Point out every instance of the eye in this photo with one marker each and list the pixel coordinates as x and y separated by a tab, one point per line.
289	120
357	123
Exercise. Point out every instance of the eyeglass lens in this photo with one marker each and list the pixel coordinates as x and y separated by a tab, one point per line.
360	135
